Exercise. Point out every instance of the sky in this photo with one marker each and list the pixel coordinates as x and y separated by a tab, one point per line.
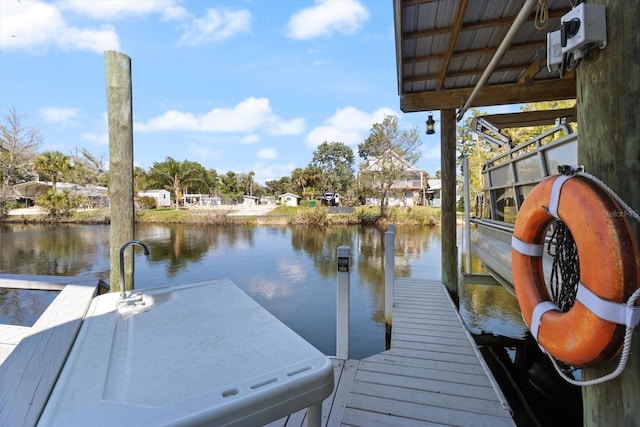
243	85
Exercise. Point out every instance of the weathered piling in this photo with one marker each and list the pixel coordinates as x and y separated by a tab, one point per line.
120	114
448	211
608	84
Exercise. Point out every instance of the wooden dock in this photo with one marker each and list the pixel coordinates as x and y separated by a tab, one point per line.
432	375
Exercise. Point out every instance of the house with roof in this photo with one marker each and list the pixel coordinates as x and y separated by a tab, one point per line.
95	195
162	197
407	186
289	199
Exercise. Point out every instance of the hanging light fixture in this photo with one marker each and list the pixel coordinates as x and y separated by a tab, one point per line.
431	125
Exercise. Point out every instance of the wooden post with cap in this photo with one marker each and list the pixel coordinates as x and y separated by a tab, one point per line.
120	114
608	87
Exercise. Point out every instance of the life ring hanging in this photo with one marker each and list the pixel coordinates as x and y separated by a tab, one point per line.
592	330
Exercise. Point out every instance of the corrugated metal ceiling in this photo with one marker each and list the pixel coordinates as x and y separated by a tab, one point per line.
444	46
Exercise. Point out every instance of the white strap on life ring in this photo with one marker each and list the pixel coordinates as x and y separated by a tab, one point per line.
537	313
621	314
554	198
526	248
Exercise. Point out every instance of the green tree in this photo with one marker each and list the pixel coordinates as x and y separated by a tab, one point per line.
390	154
524	134
231	189
88	169
177	177
478	152
336	160
213	182
280	186
18	146
52	165
298	180
247	182
58	203
313	180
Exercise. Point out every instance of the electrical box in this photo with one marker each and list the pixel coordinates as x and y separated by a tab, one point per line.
554	51
343	264
585	25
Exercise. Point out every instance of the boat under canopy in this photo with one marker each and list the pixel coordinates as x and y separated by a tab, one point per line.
508	179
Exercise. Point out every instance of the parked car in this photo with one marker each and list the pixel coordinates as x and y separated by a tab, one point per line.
330	198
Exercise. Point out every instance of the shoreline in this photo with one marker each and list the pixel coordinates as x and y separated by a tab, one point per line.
238	215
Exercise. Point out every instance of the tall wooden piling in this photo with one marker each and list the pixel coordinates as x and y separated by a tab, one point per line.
609	124
120	113
448	221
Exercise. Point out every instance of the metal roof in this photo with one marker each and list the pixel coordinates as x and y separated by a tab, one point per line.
444	46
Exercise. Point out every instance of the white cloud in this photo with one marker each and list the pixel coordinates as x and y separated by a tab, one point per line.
267	154
250	139
292	127
109	10
89	39
326	18
58	115
248	116
36	25
348	125
216	26
98	138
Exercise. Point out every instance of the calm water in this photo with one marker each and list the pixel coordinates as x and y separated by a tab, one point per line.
291	271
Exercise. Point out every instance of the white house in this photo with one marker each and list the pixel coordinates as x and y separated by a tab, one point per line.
434	192
289	199
249	200
95	195
163	197
408	190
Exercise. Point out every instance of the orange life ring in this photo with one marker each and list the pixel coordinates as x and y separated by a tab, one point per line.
609	269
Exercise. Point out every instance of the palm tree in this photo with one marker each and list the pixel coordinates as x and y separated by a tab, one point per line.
52	164
298	179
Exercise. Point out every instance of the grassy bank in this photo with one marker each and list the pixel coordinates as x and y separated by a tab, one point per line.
363	215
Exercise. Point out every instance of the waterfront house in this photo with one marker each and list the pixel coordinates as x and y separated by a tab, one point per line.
289	199
163	197
407	188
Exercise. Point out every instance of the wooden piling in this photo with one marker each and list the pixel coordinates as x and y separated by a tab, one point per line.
608	87
448	210
120	114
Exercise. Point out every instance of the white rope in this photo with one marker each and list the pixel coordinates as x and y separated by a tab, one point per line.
627	210
630	325
624	356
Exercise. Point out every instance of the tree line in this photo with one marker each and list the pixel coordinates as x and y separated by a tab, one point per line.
393	152
330	169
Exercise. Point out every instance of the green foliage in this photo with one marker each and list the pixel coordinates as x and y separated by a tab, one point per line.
52	165
280	186
310	216
58	203
147	202
336	161
389	155
368	217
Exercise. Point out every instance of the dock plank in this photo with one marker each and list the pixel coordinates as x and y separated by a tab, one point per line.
432	375
31	369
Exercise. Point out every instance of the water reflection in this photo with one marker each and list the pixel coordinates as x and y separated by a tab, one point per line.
291	271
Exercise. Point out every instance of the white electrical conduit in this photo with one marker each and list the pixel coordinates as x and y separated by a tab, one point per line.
526	10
